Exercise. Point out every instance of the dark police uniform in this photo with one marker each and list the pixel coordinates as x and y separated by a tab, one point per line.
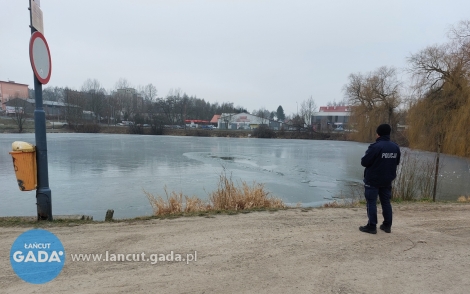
380	162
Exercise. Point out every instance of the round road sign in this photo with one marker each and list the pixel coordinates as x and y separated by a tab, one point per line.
40	57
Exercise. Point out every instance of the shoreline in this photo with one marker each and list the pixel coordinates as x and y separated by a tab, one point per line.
125	130
286	251
81	219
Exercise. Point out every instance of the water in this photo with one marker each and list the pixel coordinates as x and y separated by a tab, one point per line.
90	173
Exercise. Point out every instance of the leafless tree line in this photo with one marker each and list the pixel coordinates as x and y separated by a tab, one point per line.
437	108
139	104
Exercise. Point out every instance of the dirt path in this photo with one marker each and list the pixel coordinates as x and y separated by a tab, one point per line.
291	251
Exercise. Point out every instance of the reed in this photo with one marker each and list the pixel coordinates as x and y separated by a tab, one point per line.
463	199
415	178
227	197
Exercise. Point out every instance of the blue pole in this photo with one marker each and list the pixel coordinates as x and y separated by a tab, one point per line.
43	192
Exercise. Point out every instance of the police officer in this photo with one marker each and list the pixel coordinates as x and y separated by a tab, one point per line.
380	162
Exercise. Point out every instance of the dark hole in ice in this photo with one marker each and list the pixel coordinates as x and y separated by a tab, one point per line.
223	157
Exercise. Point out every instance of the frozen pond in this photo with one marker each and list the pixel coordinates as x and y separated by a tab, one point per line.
90	173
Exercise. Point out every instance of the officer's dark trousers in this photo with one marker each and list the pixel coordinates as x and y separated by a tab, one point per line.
385	194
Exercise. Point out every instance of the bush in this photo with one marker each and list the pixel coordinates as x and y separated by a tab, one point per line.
203	133
156	129
264	132
87	128
136	129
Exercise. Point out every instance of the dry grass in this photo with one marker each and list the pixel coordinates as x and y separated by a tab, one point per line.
414	182
351	198
342	203
174	203
334	204
463	199
227	197
415	178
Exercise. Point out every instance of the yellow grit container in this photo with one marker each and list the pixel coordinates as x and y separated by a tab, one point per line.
24	162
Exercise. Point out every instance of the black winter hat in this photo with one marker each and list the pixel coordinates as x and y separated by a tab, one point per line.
384	129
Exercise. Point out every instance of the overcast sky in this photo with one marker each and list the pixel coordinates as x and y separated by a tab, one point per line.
254	53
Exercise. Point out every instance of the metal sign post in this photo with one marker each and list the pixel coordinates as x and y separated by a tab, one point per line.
41	63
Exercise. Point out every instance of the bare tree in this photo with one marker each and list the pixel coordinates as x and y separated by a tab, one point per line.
386	88
129	101
461	31
183	105
53	94
74	103
147	98
95	96
375	98
227	118
263	114
122	83
149	92
307	108
19	115
439	114
172	107
335	103
298	122
111	107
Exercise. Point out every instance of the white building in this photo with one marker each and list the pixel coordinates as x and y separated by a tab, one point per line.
240	121
331	116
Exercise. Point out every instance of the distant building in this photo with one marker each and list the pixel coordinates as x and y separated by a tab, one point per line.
10	90
15	105
331	117
215	120
127	91
51	108
130	100
196	123
244	121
